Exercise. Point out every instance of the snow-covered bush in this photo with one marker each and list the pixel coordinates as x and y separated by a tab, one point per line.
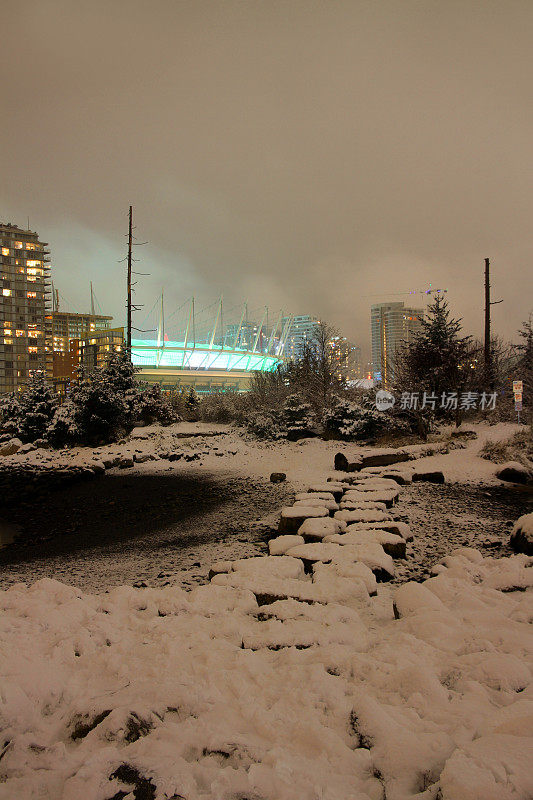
28	414
223	407
100	408
265	425
191	403
152	405
10	413
348	420
298	418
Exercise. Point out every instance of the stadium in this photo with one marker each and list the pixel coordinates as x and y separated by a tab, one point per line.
208	349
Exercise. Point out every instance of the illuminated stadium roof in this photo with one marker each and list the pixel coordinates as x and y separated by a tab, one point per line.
182	356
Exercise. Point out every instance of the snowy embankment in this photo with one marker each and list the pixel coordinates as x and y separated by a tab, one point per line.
297	675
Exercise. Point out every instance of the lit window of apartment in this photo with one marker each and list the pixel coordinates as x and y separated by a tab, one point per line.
30	277
30	246
19	333
34	334
7	292
8	341
18	245
33	349
5	251
31	294
32	263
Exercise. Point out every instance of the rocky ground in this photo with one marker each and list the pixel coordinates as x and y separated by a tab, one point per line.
445	517
139	528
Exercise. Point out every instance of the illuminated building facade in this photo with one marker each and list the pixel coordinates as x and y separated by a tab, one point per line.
25	321
392	326
346	358
67	326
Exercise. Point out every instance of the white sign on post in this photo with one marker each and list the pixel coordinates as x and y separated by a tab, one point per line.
518	386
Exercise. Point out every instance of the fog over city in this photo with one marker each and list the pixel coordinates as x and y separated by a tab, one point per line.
311	156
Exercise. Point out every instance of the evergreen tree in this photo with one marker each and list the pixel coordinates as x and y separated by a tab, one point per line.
298	418
438	361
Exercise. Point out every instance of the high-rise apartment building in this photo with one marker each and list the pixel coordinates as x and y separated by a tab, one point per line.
25	322
393	325
302	332
67	326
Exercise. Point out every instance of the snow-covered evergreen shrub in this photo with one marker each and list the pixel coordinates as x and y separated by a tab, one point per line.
297	417
10	413
28	414
265	425
349	420
101	407
151	405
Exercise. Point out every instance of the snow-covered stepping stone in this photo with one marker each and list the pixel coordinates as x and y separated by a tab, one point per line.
279	545
292	517
362	515
319	502
392	526
387	496
314	530
370	553
336	489
392	544
375	484
270	589
402	478
309	495
261	566
360	504
353	571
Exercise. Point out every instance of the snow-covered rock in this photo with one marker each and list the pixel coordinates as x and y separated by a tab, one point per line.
512	471
11	447
393	545
522	535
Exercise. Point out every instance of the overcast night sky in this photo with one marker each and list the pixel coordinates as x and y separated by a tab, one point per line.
315	156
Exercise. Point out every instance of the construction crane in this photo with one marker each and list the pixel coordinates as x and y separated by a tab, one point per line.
428	291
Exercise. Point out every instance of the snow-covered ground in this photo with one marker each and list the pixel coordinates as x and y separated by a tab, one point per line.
289	677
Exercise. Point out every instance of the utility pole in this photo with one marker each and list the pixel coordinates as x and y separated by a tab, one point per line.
487	353
488	366
128	328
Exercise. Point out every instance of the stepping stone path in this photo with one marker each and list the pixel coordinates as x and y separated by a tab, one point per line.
334	544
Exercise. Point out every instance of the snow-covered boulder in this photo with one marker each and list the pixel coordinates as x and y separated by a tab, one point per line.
11	447
513	472
434	476
521	539
412	597
292	517
342	463
387	496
